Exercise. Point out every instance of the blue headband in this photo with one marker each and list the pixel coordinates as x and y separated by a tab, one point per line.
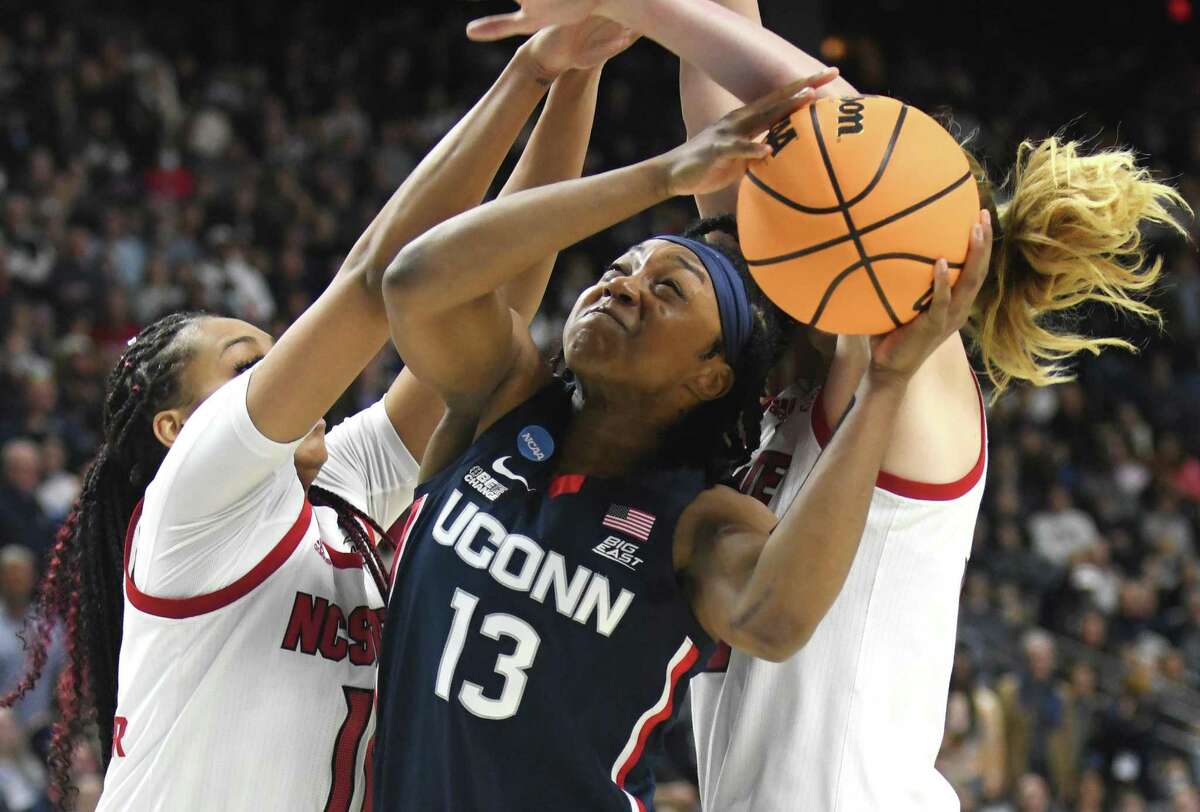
733	303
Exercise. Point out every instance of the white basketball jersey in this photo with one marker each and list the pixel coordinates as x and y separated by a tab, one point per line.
258	692
854	721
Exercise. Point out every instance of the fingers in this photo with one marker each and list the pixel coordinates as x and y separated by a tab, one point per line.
760	116
762	113
499	26
823	78
747	149
979	255
938	313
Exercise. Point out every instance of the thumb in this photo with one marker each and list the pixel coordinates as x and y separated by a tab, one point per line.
499	26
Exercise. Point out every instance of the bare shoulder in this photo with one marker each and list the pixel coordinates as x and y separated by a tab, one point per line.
715	513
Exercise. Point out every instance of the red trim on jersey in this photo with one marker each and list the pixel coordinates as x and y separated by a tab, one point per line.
179	608
343	560
349	560
719	661
414	510
911	488
566	483
642	734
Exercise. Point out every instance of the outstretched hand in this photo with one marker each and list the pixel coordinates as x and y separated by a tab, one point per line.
533	15
717	157
578	46
901	352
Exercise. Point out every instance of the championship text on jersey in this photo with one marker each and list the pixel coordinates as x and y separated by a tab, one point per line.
523	565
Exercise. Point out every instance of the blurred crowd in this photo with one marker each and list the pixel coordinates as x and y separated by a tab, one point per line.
152	162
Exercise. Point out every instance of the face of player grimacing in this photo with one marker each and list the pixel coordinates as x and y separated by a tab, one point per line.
647	325
222	349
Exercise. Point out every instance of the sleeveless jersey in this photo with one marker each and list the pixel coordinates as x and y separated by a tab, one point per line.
854	721
257	695
537	641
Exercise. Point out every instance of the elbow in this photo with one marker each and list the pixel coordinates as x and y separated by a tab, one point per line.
774	636
404	282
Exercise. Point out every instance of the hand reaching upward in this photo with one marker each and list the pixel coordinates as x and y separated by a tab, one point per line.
533	15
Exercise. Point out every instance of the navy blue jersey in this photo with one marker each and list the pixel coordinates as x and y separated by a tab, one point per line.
537	639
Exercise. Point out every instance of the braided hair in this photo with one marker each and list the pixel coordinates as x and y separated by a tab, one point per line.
82	589
719	436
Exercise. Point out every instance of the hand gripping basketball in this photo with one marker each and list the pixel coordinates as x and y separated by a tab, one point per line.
717	157
901	352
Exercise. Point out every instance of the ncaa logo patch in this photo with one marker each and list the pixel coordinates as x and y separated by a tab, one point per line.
535	443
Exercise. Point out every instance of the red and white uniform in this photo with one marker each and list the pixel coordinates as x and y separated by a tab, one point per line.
251	632
852	722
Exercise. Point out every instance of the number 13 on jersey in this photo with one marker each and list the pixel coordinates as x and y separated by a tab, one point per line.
511	667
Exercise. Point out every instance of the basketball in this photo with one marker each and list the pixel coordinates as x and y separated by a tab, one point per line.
842	223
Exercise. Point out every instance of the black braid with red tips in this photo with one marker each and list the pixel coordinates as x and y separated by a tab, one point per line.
360	542
82	589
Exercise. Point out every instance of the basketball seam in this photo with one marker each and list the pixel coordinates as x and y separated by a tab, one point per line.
800	207
837	191
842	274
867	229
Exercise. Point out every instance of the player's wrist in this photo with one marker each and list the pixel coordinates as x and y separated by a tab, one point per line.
626	12
533	66
885	383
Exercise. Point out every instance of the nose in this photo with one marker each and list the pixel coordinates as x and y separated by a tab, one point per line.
624	289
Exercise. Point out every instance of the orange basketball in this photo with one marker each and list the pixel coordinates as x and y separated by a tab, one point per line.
842	223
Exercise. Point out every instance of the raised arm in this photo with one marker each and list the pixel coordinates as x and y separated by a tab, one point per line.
742	56
555	151
329	345
703	100
764	589
448	320
726	56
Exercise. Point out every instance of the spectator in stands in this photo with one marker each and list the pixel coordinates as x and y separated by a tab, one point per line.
22	777
1091	793
1033	794
1124	741
59	486
17	581
1061	530
21	518
1082	706
1033	709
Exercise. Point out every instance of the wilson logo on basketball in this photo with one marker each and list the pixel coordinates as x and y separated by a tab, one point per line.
780	135
850	114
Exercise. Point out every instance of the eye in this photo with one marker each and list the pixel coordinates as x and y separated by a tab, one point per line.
612	272
245	365
673	285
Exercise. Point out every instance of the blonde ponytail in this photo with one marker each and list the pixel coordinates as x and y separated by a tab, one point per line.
1070	233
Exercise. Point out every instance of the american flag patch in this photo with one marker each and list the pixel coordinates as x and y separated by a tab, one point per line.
636	523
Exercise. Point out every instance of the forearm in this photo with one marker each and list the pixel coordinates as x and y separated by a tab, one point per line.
456	173
703	101
555	152
476	253
738	53
807	557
